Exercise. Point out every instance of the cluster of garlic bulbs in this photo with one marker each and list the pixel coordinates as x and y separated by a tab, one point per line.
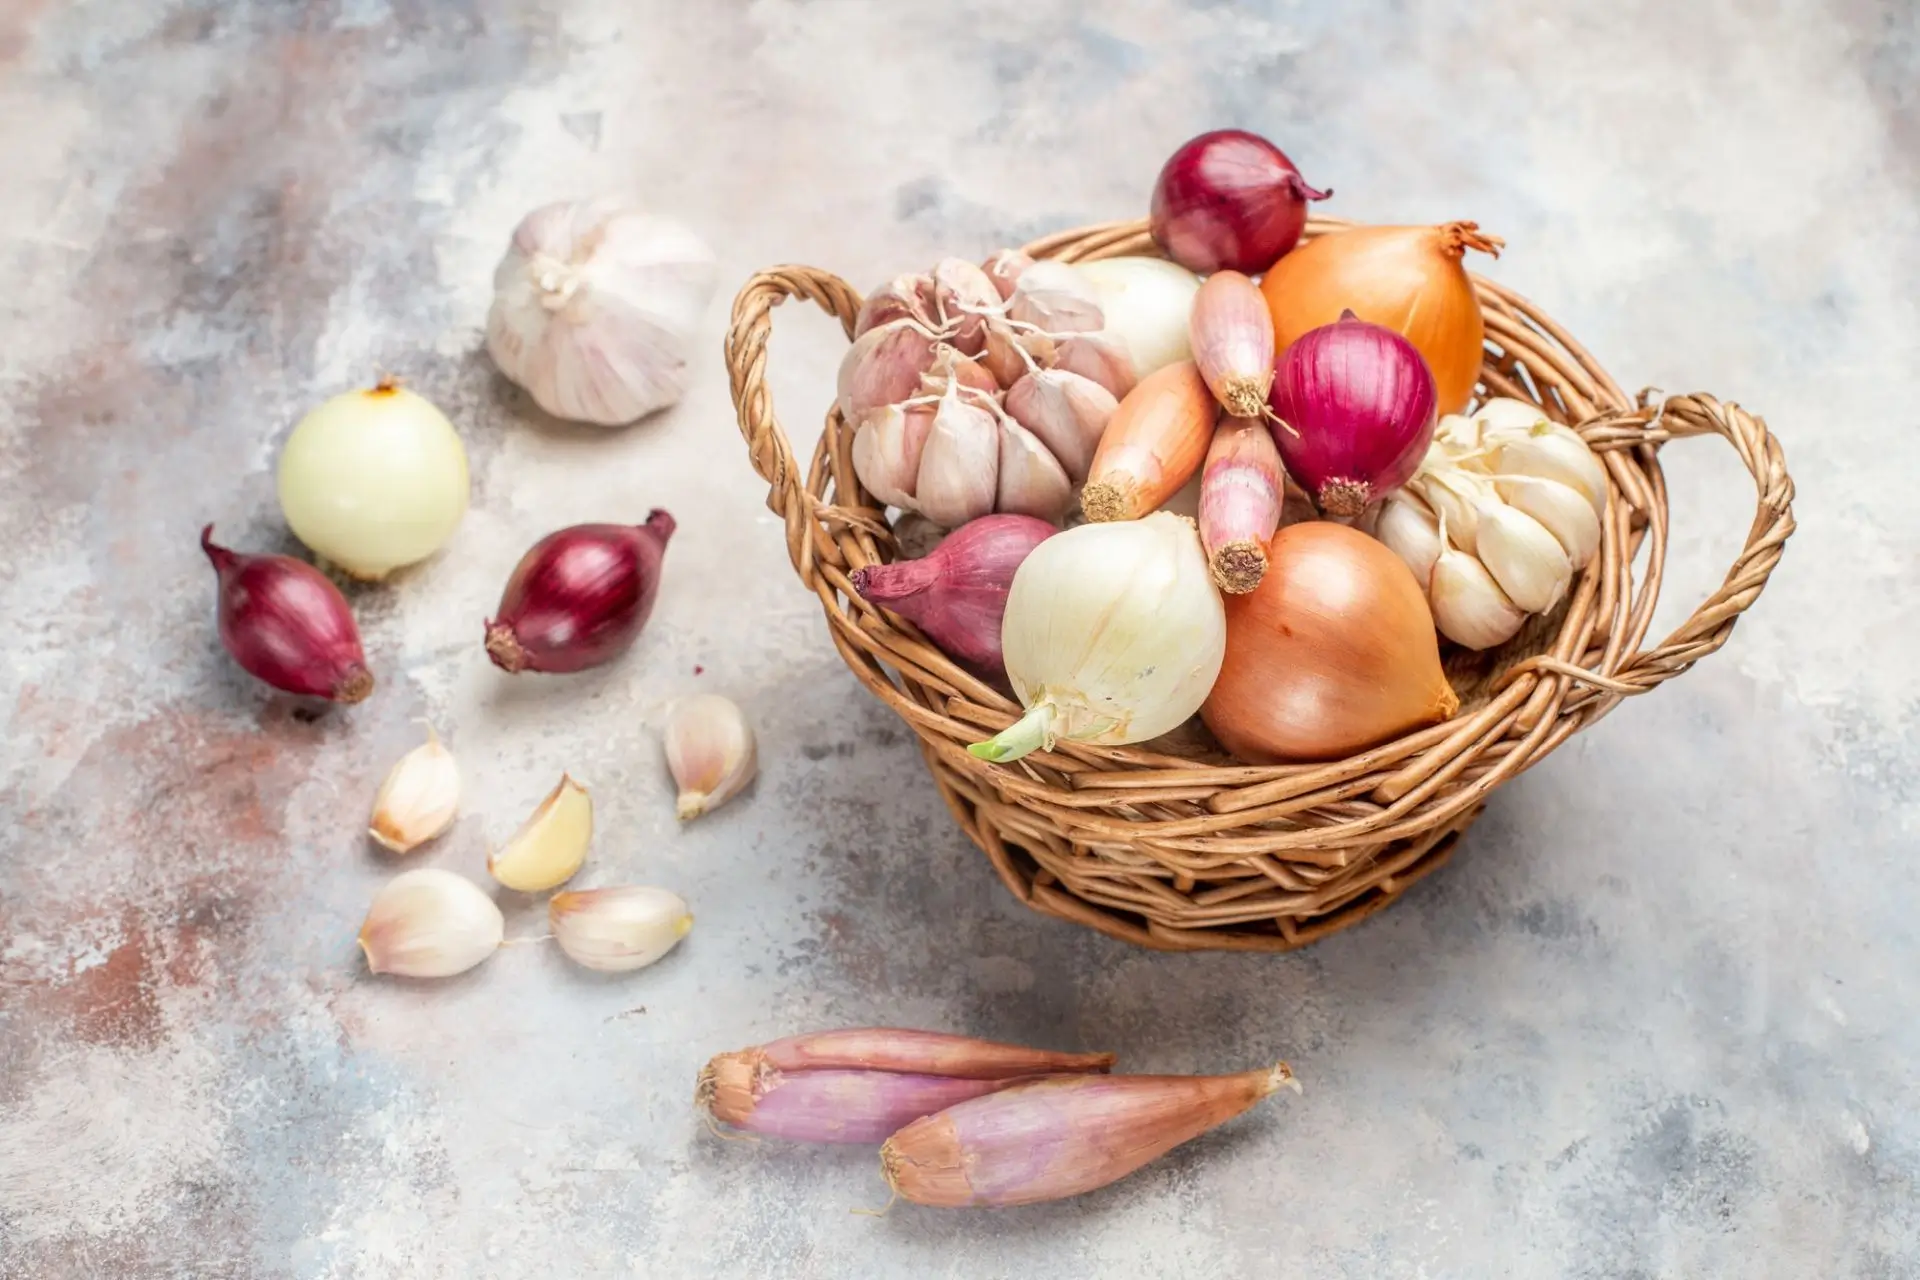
1502	513
981	389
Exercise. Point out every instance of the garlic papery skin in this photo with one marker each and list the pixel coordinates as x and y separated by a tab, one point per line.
430	923
552	844
1408	527
1114	633
593	307
418	799
619	929
1468	606
1552	453
710	752
1565	513
1526	560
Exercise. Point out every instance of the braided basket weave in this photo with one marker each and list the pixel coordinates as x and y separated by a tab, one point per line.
1174	845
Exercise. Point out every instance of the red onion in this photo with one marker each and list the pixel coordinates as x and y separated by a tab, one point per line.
286	624
1230	200
579	597
1355	404
957	593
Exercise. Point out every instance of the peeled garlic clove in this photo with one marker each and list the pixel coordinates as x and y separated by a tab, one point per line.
418	799
593	306
1565	513
551	845
1032	481
1555	453
620	929
1408	526
960	465
887	448
1526	560
430	923
710	752
1054	297
1468	605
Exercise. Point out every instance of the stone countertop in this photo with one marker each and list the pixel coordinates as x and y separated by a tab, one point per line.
1657	1019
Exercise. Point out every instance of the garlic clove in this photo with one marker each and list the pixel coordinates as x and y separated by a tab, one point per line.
1068	413
1468	605
710	752
965	298
620	929
1504	415
1409	527
418	799
1565	513
551	845
1526	560
430	923
1555	453
1032	481
905	297
960	465
1101	357
884	367
886	451
950	364
1455	497
1003	268
1456	434
1055	298
1004	357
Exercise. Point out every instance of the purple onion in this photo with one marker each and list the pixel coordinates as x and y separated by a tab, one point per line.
579	597
286	624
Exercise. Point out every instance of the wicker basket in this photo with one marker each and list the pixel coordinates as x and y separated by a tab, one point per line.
1172	844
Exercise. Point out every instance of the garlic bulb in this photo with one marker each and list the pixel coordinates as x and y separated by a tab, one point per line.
710	752
1113	634
593	307
620	929
1505	509
430	923
418	799
551	845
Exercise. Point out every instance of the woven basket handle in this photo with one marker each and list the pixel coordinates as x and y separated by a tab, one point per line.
767	443
1712	622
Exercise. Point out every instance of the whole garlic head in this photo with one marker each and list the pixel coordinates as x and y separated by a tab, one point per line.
593	306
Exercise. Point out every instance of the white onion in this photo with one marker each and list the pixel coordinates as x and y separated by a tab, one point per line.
374	480
1148	302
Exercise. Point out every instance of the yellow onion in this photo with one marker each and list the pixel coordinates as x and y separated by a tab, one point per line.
1332	653
1409	279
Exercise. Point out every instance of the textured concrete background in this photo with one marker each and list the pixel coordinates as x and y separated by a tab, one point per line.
1659	1019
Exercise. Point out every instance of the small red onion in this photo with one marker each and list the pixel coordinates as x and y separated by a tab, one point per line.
579	597
957	593
1355	403
1230	200
286	624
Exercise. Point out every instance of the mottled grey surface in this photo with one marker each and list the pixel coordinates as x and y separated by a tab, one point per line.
1659	1019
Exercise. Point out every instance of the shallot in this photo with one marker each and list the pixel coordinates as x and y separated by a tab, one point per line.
957	593
286	624
1050	1139
1232	340
1242	491
579	597
1153	445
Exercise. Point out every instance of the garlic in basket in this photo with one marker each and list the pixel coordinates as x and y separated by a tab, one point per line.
593	306
1503	512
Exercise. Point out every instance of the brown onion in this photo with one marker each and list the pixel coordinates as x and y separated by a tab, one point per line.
1332	653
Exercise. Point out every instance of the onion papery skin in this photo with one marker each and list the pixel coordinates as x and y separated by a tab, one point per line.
1229	200
1334	652
1354	410
286	624
1410	279
579	597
